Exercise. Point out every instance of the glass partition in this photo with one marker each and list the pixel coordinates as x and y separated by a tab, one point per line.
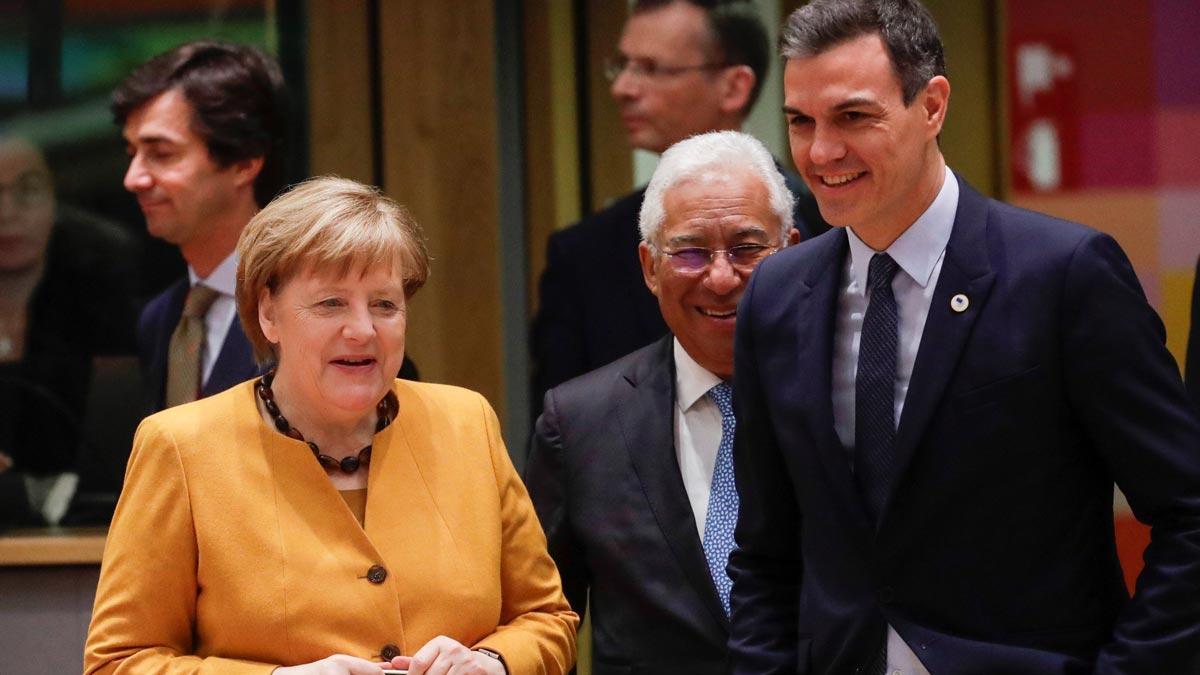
76	264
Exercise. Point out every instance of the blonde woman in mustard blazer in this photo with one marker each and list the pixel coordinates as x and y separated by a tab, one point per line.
328	518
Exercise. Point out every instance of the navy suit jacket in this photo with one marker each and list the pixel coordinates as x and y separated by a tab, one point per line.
1192	375
235	362
994	552
605	481
594	306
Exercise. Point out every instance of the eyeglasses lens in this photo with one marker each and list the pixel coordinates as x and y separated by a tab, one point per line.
697	259
692	259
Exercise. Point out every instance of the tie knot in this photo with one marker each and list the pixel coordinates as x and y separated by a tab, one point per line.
881	270
199	299
722	395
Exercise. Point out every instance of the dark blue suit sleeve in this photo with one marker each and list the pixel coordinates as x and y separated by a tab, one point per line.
153	336
1192	376
147	325
557	340
1125	387
765	564
546	477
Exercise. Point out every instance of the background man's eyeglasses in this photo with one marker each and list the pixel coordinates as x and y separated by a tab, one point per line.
648	69
742	257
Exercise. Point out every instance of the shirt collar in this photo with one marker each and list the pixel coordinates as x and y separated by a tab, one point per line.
692	380
223	279
917	250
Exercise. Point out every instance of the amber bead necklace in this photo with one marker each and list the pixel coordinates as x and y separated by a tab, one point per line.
387	408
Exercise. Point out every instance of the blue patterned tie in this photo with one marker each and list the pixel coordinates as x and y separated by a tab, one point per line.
875	387
721	518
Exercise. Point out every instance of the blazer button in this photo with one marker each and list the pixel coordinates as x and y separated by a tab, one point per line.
377	574
389	652
886	595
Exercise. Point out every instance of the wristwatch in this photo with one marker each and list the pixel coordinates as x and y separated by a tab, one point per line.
487	652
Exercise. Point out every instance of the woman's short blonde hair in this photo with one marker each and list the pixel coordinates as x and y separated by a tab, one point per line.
324	224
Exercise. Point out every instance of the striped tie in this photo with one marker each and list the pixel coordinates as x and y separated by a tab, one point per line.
187	342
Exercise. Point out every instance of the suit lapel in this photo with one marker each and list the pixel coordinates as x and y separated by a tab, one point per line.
316	525
646	412
815	328
400	471
965	270
235	363
156	367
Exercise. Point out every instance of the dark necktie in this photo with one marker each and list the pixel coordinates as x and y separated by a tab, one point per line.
875	388
875	401
721	518
187	344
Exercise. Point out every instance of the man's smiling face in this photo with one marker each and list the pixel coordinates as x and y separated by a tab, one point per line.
868	158
716	210
178	185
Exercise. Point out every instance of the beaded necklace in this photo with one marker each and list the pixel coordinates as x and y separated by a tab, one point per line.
386	409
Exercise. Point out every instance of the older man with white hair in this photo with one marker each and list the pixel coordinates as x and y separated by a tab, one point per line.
681	68
631	470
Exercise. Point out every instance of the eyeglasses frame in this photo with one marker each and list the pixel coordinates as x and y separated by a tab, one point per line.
617	64
712	256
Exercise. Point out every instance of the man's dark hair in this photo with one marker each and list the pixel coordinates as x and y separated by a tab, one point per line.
737	32
237	95
905	26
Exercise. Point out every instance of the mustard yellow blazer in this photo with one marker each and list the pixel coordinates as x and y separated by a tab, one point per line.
231	551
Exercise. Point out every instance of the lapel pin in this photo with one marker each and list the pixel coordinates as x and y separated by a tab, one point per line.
959	303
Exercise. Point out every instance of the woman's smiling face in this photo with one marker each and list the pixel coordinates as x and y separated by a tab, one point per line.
339	338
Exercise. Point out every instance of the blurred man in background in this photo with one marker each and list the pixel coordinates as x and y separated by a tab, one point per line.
204	127
683	67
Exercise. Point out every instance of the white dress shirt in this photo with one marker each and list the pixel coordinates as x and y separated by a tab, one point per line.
919	252
221	314
697	431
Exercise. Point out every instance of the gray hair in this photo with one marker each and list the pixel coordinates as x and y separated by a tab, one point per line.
716	153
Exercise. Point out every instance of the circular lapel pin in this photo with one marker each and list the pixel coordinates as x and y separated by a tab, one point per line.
960	303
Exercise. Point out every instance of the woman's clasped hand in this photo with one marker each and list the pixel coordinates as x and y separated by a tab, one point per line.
446	656
338	664
440	656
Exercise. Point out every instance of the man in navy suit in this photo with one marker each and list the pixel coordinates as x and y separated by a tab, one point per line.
204	127
683	67
935	400
631	468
